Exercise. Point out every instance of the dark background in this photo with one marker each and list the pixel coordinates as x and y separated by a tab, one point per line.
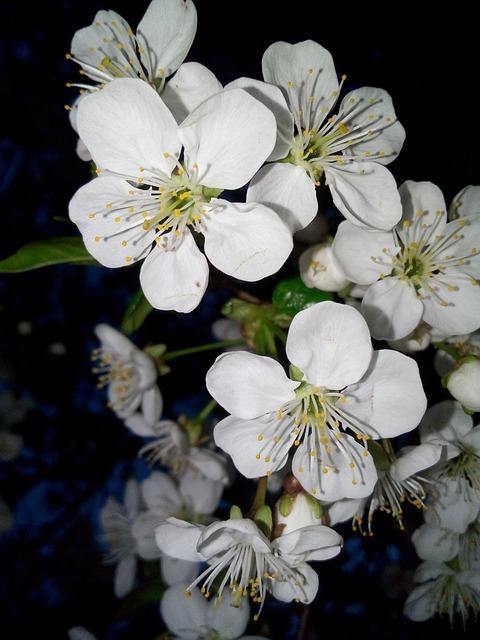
75	452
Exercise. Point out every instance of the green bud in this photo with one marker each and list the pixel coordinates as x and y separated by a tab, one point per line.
235	512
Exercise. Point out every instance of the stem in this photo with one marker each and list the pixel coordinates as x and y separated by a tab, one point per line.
259	498
443	346
202	416
203	347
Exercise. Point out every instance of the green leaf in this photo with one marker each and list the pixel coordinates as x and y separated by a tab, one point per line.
291	296
44	253
136	312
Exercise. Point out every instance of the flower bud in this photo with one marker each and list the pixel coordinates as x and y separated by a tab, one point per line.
318	271
297	510
464	383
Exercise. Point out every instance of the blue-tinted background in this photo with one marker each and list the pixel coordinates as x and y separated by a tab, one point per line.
75	452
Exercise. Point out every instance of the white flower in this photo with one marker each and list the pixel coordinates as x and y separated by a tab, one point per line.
128	373
342	394
425	269
247	561
347	147
442	590
109	49
446	424
317	270
158	185
196	618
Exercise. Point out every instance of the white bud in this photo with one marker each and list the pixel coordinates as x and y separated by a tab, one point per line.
318	271
464	383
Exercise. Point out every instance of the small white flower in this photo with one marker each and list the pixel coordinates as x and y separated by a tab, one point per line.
447	425
425	269
444	591
340	394
346	146
128	373
250	565
317	270
158	187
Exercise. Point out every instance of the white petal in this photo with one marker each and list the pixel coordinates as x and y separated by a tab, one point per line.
422	603
389	400
230	622
125	574
391	309
161	493
100	209
79	633
314	542
289	65
415	460
165	35
242	440
246	240
330	342
353	248
176	571
143	531
178	539
177	279
365	193
126	126
192	84
228	137
386	137
303	587
201	494
288	190
272	97
184	615
445	422
435	543
248	385
423	196
152	405
337	474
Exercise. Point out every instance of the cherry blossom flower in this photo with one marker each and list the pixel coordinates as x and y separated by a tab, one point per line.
340	394
109	49
158	187
445	591
425	269
347	147
128	373
249	563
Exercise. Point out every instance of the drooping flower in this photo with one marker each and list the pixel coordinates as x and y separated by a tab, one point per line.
345	148
446	424
128	373
444	590
157	191
247	562
425	269
109	49
340	394
196	618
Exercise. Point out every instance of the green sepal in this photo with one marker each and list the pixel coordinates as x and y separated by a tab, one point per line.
264	520
210	192
136	313
235	512
292	295
285	504
315	506
294	373
45	253
379	455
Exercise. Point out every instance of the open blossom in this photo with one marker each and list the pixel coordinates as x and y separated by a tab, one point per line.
340	394
399	481
196	618
128	373
158	187
250	564
109	49
346	147
425	269
444	591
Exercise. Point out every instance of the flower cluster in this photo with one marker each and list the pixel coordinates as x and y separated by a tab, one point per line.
316	399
